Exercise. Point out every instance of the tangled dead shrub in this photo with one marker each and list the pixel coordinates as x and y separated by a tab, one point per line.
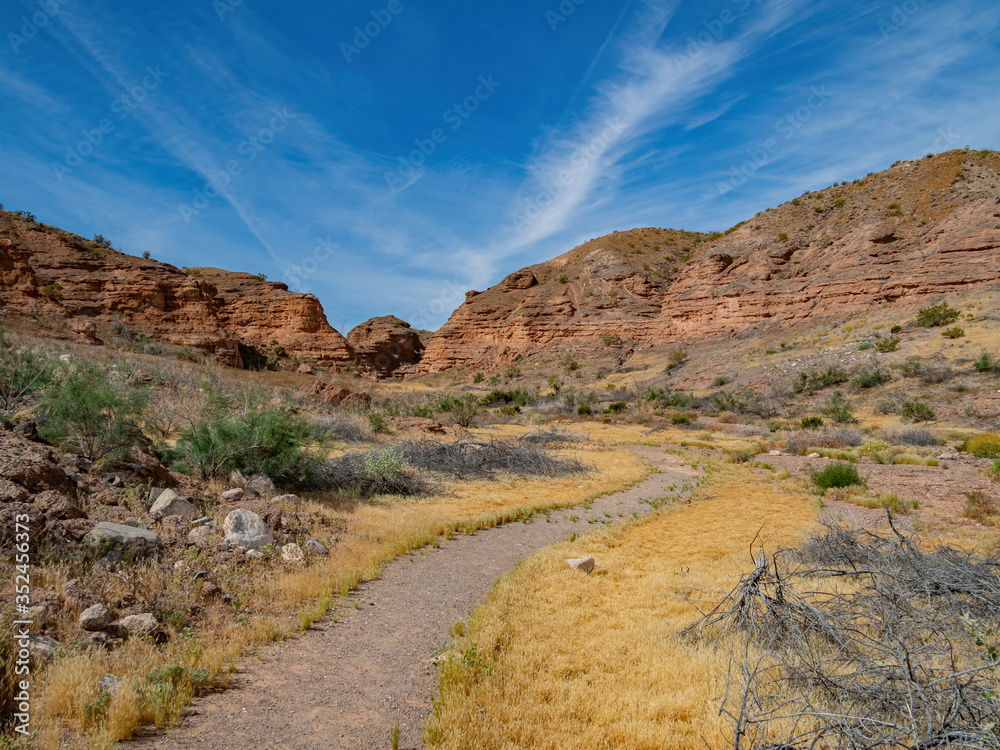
858	640
484	459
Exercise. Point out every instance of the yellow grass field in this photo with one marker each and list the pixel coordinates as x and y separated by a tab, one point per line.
558	660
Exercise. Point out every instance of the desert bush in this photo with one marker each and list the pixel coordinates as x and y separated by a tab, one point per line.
814	380
679	420
839	408
888	345
865	346
915	411
936	373
484	459
983	446
994	471
837	475
953	333
799	443
385	471
918	436
346	427
811	423
616	407
842	437
251	436
22	373
91	412
676	358
553	436
979	506
520	397
464	411
752	430
937	315
870	377
987	363
52	292
874	449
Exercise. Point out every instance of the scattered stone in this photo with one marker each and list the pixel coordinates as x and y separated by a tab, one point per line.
233	495
94	618
421	424
293	554
289	499
304	369
121	534
39	616
56	506
814	455
254	554
169	503
154	493
136	626
460	431
202	537
317	547
108	684
210	591
43	649
258	484
246	529
775	453
27	430
585	564
103	640
110	560
114	480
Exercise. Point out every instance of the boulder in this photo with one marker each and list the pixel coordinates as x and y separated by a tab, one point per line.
246	529
108	684
12	493
94	618
203	537
136	626
289	499
169	503
231	496
386	344
258	484
293	554
56	506
44	649
317	547
586	564
421	424
122	535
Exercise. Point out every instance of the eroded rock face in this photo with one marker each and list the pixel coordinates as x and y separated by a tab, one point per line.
834	252
47	273
385	345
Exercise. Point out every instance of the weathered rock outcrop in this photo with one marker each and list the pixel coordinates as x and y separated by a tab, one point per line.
385	345
47	273
917	230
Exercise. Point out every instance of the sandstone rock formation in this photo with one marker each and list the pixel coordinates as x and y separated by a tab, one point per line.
385	345
47	273
919	229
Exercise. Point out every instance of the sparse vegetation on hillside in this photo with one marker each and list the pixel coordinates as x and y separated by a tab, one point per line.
937	315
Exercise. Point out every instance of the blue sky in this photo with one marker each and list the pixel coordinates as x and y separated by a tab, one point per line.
389	155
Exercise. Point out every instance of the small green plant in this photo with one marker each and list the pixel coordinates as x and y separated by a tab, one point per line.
584	410
811	423
146	255
52	292
478	377
987	364
676	358
865	346
509	411
22	373
394	736
839	408
720	381
563	279
875	450
513	372
938	315
915	411
870	377
377	423
260	276
954	333
895	210
783	237
979	506
994	471
837	475
888	345
983	446
679	420
618	407
611	339
896	329
102	241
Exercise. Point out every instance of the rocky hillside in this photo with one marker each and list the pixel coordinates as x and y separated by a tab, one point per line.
59	279
919	229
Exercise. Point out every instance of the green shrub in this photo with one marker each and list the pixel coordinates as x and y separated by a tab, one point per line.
95	412
865	346
937	315
584	410
509	411
896	329
564	279
22	373
888	345
618	407
478	377
464	411
679	420
837	475
983	446
257	439
987	363
814	380
870	377
676	358
994	471
874	448
979	506
520	397
52	292
840	408
720	381
915	411
811	423
953	333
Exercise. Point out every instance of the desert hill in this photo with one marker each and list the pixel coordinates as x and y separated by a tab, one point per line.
919	229
56	278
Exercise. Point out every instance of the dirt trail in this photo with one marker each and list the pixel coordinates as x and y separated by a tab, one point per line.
345	685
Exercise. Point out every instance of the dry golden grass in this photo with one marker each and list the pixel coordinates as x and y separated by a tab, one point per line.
561	660
281	601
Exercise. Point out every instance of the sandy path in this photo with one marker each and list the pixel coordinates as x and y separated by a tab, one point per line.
345	685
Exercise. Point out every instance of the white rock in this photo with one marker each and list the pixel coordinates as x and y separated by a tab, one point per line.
290	499
293	554
246	529
254	554
814	455
95	618
120	534
169	503
203	537
775	453
233	494
586	564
